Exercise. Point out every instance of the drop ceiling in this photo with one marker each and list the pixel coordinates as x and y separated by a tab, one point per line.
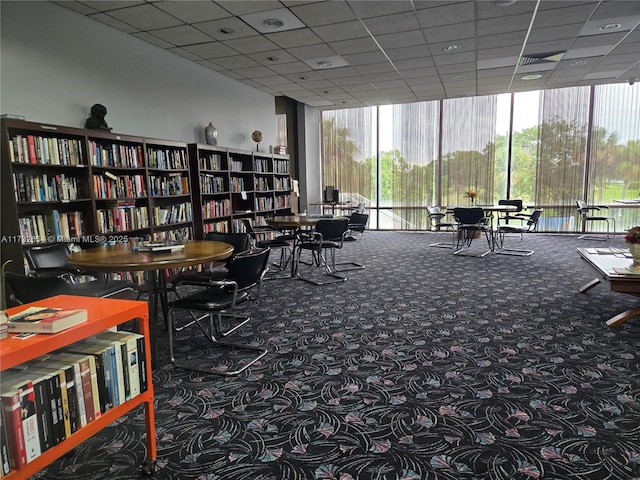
346	54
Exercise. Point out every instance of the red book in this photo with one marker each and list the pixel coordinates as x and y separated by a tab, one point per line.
13	424
31	146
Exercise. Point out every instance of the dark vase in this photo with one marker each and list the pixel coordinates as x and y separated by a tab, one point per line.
211	134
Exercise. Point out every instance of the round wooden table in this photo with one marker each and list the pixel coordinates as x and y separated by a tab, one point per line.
122	258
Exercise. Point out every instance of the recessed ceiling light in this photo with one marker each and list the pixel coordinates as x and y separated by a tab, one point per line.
505	3
609	26
356	88
303	77
272	59
457	77
226	30
324	64
578	63
451	48
273	23
533	76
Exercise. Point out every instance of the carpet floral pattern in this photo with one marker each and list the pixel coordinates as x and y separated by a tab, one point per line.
422	366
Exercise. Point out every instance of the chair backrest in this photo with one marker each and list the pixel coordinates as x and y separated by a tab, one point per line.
247	268
532	222
513	202
248	227
360	208
49	256
241	241
582	208
358	222
435	215
27	289
332	229
468	215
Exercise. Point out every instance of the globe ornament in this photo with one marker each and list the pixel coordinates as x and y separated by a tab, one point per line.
256	136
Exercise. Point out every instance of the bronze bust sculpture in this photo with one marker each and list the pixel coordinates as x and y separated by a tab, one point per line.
96	120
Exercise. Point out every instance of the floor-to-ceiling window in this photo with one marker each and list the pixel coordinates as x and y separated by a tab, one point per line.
548	148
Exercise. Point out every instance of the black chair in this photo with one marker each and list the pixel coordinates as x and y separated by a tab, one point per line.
471	221
51	261
218	300
527	227
585	212
355	230
327	236
436	216
26	288
280	241
241	242
513	215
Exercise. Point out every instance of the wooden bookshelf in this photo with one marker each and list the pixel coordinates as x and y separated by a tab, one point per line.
102	315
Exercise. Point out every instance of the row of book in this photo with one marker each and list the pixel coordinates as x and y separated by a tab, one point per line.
262	184
45	150
263	203
219	226
281	166
212	184
45	188
116	155
112	186
166	185
262	165
167	159
181	212
50	398
216	208
53	227
122	219
282	184
283	201
212	162
237	184
236	165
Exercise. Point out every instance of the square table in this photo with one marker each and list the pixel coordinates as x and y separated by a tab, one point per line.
605	261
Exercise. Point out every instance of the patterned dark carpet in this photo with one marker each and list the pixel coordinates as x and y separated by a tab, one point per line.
424	365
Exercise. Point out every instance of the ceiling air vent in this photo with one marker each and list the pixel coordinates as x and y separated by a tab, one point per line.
537	58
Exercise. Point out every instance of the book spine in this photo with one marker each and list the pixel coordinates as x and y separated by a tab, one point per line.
85	381
5	467
142	362
95	391
43	414
132	362
64	412
29	421
15	432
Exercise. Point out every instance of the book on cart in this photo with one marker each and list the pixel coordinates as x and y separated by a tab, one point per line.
158	247
46	320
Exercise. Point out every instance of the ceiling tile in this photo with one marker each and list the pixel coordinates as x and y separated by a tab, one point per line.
252	44
114	22
399	22
294	38
312	51
193	11
235	28
211	50
446	14
341	31
323	13
367	8
79	7
144	17
235	62
401	39
241	7
272	57
450	33
357	45
181	35
261	20
288	68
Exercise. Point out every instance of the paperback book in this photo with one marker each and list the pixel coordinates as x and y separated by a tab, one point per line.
158	247
45	320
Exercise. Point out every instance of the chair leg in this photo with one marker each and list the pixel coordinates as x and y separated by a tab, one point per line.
286	255
329	271
466	238
212	335
607	236
444	244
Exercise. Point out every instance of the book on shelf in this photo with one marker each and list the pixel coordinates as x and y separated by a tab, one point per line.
46	320
168	246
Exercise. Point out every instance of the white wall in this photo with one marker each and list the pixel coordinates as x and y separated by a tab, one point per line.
55	64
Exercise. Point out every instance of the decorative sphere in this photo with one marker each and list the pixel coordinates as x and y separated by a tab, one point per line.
256	136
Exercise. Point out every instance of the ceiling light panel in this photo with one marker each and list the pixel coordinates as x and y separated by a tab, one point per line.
273	21
326	62
214	28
